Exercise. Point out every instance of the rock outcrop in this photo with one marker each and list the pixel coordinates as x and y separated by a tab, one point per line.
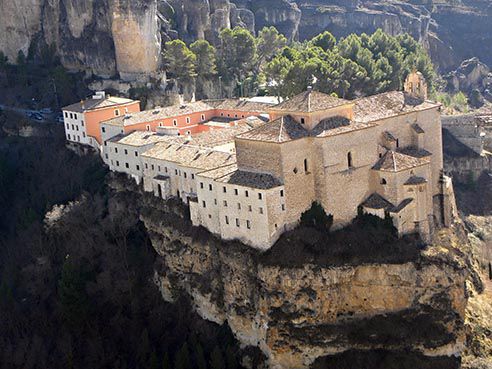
107	37
303	315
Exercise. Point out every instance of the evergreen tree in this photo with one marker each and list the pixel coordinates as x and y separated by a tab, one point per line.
201	362
72	295
182	360
205	63
237	53
324	40
216	359
180	61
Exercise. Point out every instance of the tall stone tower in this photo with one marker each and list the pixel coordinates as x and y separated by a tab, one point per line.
416	85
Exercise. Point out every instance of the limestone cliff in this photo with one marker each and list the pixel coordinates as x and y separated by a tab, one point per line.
106	37
302	313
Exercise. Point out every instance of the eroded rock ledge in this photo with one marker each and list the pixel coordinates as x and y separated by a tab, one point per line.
307	314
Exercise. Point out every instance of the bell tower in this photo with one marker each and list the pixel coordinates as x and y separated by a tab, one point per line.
416	85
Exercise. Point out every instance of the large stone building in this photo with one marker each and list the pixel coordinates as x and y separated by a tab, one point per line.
249	180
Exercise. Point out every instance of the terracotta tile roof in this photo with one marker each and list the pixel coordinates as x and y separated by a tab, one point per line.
376	201
250	179
280	130
139	138
393	161
221	136
414	180
190	156
388	104
310	101
239	105
159	113
287	129
219	172
92	104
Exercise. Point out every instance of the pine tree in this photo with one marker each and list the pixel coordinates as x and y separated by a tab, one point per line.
216	359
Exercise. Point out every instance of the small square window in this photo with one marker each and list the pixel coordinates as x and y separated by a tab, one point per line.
209	216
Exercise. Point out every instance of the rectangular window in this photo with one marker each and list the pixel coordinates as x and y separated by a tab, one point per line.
238	206
75	116
246	193
192	176
71	116
82	123
281	193
116	150
117	163
248	224
126	152
138	167
201	185
224	189
210	187
175	171
127	165
69	137
68	126
83	134
225	204
77	128
261	210
175	122
236	192
227	219
73	127
187	120
165	169
203	117
106	156
146	166
260	196
303	121
106	143
158	168
185	174
215	201
204	204
152	166
237	222
209	216
66	115
250	208
103	129
283	207
116	112
148	127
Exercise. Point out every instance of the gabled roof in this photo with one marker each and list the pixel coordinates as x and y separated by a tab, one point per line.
262	181
239	105
376	201
280	130
401	206
393	161
93	104
310	101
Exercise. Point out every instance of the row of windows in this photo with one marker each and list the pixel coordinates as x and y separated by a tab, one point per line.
238	222
229	115
74	126
75	137
236	191
72	115
239	206
176	171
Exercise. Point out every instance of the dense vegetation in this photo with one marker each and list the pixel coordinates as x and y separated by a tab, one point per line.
352	66
79	294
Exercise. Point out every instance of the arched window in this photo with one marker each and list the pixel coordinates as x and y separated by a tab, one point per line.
383	181
349	160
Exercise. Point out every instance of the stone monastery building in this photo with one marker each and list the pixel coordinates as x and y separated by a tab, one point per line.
248	179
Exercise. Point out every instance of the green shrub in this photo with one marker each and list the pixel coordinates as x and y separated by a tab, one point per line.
316	217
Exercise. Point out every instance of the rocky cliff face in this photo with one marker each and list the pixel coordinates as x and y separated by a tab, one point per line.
312	313
110	36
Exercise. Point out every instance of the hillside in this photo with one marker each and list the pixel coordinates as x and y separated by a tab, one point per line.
129	34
